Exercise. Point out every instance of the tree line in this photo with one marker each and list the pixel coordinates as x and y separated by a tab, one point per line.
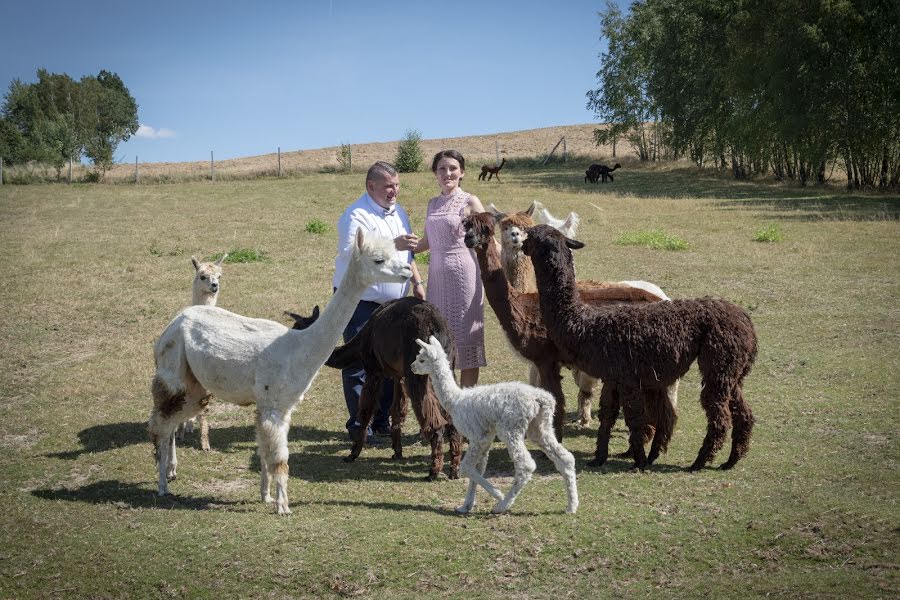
791	88
57	119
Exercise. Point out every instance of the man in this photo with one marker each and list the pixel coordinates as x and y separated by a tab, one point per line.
376	211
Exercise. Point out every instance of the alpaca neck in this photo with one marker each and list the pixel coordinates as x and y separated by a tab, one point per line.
556	279
500	294
204	298
328	328
519	271
445	387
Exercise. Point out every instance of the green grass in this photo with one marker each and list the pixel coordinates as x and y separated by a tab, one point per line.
317	226
768	233
655	239
242	255
809	513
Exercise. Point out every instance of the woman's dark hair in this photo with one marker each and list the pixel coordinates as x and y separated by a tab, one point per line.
448	154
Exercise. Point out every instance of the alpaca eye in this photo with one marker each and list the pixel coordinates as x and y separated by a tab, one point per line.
380	261
203	278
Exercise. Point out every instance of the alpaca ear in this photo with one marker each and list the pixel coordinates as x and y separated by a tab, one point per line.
433	341
493	209
531	208
315	313
221	260
196	263
424	345
359	238
574	244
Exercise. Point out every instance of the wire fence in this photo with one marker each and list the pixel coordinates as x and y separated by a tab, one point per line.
577	141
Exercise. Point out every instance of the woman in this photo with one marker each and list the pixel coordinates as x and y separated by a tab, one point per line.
454	280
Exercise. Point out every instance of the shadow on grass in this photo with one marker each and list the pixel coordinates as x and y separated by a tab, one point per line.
132	495
780	201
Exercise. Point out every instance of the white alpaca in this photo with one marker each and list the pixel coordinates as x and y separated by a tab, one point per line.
208	350
511	411
567	226
205	292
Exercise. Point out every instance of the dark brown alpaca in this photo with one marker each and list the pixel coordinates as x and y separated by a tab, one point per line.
491	171
650	345
599	172
386	347
519	316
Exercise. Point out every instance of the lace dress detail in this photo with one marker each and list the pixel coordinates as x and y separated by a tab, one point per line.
454	279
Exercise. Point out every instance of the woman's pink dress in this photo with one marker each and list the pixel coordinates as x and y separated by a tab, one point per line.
454	280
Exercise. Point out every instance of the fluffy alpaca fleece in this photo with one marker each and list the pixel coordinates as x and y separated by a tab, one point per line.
207	350
386	348
511	411
205	291
650	345
520	317
568	226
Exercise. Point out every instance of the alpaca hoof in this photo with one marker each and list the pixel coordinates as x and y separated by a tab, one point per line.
205	448
268	499
694	468
283	510
596	463
454	474
626	454
349	459
171	478
397	456
499	509
463	510
572	509
727	465
432	476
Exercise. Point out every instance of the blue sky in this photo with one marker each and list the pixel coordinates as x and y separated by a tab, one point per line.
243	78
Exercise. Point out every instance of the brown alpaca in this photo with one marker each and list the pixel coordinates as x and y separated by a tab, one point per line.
519	316
386	346
599	172
491	171
650	345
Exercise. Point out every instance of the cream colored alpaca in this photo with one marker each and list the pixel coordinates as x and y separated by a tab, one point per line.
206	293
512	411
207	350
520	274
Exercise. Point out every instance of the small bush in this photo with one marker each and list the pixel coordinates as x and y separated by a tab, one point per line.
344	157
92	177
241	255
409	153
769	233
158	252
317	226
656	239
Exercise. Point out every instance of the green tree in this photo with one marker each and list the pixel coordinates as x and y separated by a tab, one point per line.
108	116
409	153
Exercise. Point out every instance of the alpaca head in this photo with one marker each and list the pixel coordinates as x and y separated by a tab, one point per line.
431	354
546	245
376	260
479	229
512	230
301	322
206	277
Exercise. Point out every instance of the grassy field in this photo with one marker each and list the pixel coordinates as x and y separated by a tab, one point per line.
92	274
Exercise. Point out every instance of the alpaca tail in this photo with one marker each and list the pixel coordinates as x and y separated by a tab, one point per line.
346	355
661	413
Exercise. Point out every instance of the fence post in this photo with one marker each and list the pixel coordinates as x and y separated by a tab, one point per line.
212	166
137	177
70	170
554	149
497	151
349	157
1	170
565	153
279	161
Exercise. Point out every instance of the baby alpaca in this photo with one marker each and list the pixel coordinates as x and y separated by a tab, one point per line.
511	411
205	293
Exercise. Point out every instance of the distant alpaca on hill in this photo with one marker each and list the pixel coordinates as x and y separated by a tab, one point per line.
491	171
601	172
205	293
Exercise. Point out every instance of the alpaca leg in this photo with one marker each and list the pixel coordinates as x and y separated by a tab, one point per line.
398	418
368	399
472	466
586	385
272	428
562	460
456	442
608	413
204	431
636	420
742	420
523	464
552	382
714	399
437	454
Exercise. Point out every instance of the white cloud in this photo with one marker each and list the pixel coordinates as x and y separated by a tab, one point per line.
145	131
